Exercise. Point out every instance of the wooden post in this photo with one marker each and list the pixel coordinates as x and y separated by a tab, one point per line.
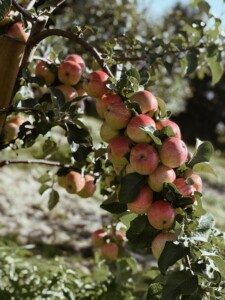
11	55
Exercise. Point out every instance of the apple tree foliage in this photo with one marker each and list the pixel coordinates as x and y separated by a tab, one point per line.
193	266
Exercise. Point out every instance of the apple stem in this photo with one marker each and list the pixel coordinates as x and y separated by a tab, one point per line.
35	39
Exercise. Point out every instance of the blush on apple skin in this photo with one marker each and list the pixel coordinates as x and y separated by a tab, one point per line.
166	122
147	102
69	72
143	201
161	175
74	182
161	215
110	251
133	128
95	84
144	158
173	152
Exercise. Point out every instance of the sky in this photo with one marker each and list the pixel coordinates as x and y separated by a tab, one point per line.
160	7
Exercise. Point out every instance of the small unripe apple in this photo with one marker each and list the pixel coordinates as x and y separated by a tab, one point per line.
173	152
135	133
98	238
144	159
159	242
95	84
110	251
69	72
147	101
68	91
16	31
77	59
74	182
44	70
161	175
116	114
143	201
89	187
107	133
161	215
118	148
166	122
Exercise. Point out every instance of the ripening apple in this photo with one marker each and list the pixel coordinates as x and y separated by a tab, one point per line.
107	133
95	84
68	91
80	90
89	187
118	148
147	102
16	119
77	59
159	242
166	122
69	72
116	114
183	187
143	201
161	215
17	32
135	133
44	70
144	158
11	131
74	182
100	109
197	182
173	152
98	238
110	251
161	175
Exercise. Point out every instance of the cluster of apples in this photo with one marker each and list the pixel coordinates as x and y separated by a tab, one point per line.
109	241
75	183
66	77
131	149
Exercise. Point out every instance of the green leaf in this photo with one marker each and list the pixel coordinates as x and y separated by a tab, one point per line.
77	134
216	68
113	206
141	233
53	199
219	263
202	154
192	62
204	227
204	167
178	284
145	77
43	188
130	187
162	107
5	6
150	130
171	254
154	290
44	178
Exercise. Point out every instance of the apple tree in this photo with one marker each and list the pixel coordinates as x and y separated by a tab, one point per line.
147	177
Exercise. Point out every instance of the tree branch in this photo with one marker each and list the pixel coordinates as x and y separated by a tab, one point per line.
70	35
24	12
7	162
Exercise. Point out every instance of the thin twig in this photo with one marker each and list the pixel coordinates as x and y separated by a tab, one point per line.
70	35
7	162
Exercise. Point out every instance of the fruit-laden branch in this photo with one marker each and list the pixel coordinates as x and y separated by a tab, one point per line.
7	162
70	35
